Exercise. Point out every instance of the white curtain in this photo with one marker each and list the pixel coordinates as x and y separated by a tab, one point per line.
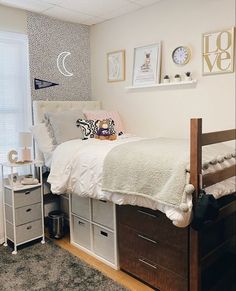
15	100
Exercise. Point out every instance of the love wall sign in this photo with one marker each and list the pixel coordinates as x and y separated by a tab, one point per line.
218	52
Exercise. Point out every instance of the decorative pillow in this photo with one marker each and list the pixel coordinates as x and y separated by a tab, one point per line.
90	127
61	125
103	114
42	138
43	141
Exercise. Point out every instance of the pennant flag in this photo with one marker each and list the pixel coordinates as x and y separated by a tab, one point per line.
41	84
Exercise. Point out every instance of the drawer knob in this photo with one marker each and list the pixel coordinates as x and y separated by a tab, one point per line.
148	214
27	192
81	222
29	227
28	210
104	233
148	239
146	263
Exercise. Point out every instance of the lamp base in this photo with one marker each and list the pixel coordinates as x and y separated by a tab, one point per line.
26	155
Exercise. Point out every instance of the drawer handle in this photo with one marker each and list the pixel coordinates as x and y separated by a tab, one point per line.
81	223
148	239
27	192
148	214
29	227
104	233
28	210
104	201
148	264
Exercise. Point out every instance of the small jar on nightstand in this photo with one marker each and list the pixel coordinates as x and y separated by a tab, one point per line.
22	203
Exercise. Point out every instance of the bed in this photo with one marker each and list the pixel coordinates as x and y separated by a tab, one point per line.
196	258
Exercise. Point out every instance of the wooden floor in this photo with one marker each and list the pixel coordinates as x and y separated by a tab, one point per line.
118	276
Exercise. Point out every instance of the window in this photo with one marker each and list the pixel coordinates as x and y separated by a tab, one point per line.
15	103
15	100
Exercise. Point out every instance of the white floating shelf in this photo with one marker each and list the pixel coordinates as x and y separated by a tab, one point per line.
191	83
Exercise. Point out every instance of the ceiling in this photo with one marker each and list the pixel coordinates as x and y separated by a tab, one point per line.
87	12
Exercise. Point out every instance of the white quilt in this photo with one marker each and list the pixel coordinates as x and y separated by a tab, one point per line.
77	167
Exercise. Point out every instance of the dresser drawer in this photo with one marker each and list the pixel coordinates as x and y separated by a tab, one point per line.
154	225
80	206
103	212
81	232
23	197
25	232
24	214
103	243
160	253
151	273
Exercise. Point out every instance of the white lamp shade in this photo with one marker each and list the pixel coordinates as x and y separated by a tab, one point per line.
25	139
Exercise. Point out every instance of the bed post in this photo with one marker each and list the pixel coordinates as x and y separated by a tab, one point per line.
195	171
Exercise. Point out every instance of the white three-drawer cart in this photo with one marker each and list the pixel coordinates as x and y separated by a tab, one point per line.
22	204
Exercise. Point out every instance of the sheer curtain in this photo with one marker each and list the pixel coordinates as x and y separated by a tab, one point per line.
15	100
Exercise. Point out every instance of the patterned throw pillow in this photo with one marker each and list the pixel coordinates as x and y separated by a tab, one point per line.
90	127
103	114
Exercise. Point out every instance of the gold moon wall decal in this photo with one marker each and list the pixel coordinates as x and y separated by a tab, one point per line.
61	64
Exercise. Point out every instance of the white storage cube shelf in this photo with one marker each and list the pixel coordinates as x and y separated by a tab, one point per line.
93	228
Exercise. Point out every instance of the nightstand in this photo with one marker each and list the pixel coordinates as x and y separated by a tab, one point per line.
22	205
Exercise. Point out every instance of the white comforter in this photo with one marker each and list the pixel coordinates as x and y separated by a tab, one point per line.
77	167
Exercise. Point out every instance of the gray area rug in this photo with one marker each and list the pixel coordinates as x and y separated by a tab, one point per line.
49	267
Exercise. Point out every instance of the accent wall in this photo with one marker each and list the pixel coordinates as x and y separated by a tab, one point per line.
60	54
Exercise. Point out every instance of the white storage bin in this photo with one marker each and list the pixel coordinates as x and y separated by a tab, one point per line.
103	243
103	212
81	232
80	206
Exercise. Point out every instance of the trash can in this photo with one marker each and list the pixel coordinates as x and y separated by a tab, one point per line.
56	224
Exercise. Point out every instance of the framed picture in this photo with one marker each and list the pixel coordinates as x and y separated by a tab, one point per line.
146	68
116	66
218	52
14	179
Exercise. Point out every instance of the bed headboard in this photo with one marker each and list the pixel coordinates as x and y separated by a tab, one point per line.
40	107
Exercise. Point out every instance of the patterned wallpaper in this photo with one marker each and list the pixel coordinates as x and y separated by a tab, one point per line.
48	38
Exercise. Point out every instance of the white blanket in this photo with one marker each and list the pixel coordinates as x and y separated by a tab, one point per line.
77	167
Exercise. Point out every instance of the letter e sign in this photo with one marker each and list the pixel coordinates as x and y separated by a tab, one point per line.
218	52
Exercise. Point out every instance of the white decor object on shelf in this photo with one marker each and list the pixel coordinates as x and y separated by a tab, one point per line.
166	79
177	78
184	84
22	206
188	76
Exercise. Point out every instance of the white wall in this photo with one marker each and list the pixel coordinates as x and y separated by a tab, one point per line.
11	20
166	112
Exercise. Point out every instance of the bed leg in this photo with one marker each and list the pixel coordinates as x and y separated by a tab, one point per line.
195	174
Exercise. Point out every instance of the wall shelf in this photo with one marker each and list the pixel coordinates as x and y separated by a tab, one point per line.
184	84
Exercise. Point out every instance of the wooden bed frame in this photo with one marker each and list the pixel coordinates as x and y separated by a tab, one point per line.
169	258
198	140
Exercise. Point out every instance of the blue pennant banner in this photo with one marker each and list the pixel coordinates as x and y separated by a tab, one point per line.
41	84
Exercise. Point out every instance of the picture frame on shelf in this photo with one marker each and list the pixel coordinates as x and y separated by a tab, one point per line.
13	179
146	66
116	66
218	52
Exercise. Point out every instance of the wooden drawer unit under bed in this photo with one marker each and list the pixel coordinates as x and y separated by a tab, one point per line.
152	249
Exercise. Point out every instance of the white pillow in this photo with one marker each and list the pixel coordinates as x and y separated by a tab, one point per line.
42	138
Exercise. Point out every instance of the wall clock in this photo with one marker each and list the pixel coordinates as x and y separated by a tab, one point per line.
181	55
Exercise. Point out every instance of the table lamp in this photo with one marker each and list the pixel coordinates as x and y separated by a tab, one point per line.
25	140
